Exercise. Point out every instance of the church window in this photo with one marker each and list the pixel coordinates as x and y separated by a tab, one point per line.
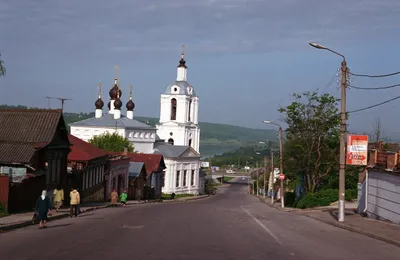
171	141
190	142
192	179
184	178
173	109
177	178
190	108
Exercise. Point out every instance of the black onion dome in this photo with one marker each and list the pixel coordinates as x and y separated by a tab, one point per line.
99	103
117	103
114	92
182	63
130	105
109	105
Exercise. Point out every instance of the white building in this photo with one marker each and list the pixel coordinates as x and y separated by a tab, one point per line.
178	126
179	112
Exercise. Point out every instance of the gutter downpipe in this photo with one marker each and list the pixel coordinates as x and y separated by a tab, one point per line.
366	191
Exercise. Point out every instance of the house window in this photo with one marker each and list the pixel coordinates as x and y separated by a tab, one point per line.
171	141
190	108
192	179
173	109
184	178
177	178
190	142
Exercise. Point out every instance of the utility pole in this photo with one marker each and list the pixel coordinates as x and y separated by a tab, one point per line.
342	155
265	175
342	159
281	166
271	176
258	177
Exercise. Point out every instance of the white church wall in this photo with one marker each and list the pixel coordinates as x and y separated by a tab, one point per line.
176	181
142	140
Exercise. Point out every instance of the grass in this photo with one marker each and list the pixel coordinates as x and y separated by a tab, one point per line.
166	196
226	179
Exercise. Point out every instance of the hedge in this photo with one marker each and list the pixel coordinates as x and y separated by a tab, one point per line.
323	198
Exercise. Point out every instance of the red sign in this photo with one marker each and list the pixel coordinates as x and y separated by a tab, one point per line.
281	176
357	150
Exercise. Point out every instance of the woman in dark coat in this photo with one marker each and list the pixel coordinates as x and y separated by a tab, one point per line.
43	207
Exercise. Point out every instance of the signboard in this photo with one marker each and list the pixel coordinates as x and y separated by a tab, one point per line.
205	164
357	150
281	176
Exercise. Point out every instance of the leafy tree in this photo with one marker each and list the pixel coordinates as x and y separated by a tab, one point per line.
312	138
111	142
2	68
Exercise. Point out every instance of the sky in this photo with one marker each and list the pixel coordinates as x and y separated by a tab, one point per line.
245	58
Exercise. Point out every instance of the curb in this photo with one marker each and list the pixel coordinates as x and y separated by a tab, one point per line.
339	225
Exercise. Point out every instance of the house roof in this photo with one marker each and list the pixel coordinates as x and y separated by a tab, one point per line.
136	168
173	151
23	131
83	151
152	161
107	120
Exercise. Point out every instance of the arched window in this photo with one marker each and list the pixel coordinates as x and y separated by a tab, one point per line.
173	109
190	109
190	142
171	141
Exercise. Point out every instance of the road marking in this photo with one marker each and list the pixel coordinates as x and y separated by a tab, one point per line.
262	225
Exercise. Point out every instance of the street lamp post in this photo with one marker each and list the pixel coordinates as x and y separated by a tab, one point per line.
280	158
342	155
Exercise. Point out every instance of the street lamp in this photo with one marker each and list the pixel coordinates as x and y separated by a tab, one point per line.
342	155
280	157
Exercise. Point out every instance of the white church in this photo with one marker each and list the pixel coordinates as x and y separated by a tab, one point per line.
176	136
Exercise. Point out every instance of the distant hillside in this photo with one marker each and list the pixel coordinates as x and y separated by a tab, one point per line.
215	138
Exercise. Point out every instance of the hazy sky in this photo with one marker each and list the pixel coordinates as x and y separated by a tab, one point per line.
245	58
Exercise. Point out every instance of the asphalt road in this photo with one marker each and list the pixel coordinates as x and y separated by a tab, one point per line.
230	225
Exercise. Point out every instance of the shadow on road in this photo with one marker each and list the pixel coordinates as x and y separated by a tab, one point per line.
85	215
57	226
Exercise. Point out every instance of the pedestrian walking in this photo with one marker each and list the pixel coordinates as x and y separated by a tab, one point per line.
114	198
123	198
58	198
43	207
74	202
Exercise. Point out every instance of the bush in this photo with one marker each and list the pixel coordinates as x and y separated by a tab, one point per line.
324	198
3	209
351	194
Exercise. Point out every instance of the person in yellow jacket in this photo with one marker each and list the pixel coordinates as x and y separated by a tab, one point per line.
58	197
75	200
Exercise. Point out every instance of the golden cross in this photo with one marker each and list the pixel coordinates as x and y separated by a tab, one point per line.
100	85
116	71
183	50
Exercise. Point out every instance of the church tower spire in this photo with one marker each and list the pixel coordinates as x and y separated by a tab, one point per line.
114	92
99	103
182	68
130	105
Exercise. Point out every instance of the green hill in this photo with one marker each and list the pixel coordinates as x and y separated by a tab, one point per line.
215	138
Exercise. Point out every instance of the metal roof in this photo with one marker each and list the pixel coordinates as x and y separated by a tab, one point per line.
107	120
135	168
183	88
171	151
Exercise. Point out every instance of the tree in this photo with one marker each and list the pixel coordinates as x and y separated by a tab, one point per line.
377	134
2	68
111	142
311	147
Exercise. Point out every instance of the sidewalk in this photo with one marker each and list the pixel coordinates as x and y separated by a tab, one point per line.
380	230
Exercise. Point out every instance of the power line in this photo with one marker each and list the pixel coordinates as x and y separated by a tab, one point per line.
374	76
377	88
376	105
